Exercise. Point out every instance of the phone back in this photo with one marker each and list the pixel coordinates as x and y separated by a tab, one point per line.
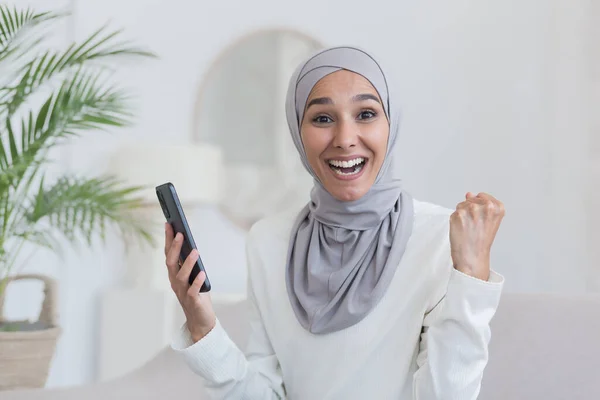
173	212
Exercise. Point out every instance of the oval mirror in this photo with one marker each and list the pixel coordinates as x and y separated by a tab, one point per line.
240	107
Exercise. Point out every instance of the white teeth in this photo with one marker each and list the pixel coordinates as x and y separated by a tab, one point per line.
356	171
346	164
357	164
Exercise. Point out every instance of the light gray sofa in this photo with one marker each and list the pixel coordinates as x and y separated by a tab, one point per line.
543	347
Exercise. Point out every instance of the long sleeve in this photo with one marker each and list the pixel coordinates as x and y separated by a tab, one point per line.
454	341
226	371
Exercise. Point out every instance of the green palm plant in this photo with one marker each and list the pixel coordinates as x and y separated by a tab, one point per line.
75	96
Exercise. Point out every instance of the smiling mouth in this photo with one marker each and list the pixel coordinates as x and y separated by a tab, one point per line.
347	168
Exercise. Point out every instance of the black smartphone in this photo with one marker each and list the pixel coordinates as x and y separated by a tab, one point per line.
169	202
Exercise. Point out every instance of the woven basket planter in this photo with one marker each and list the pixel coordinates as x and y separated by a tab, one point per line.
25	356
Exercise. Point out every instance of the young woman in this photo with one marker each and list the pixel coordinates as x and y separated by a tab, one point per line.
365	293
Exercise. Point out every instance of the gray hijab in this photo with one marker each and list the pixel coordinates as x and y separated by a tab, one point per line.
342	255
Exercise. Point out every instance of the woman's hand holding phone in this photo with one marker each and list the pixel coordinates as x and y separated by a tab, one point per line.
197	307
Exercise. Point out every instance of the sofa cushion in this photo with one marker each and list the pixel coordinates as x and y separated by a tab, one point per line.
544	346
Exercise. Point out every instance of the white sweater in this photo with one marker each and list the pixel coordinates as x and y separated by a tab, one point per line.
426	339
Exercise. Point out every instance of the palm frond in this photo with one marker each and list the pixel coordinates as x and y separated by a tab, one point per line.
100	46
41	237
81	99
83	102
83	208
14	24
11	173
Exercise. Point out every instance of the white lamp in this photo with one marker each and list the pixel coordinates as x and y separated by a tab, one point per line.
194	170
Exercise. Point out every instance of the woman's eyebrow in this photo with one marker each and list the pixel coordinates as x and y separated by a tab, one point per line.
319	100
365	96
357	98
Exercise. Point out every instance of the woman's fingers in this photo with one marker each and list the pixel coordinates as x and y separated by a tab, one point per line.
172	259
184	272
194	290
169	236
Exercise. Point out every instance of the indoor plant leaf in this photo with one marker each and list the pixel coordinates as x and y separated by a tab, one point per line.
98	47
14	23
77	207
79	99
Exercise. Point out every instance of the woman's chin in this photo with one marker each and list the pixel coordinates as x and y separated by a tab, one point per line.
347	189
348	192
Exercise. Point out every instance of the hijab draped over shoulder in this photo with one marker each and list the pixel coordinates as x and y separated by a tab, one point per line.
342	255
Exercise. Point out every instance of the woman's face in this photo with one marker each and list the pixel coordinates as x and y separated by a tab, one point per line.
345	132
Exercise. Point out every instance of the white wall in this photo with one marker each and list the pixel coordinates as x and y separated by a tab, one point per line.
494	100
593	72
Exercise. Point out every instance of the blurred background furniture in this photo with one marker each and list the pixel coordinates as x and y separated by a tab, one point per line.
196	172
543	347
27	349
138	319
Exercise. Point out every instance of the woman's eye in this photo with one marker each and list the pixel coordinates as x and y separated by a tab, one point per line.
322	119
367	114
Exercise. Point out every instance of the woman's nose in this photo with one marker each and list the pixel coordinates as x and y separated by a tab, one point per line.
346	136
